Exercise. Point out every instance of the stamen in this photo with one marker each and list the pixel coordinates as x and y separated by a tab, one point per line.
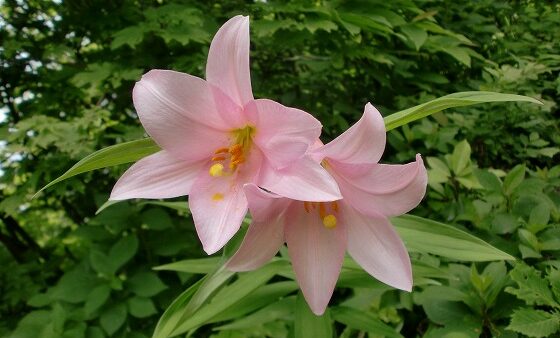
322	210
216	170
329	221
306	206
334	206
221	150
218	158
217	197
236	149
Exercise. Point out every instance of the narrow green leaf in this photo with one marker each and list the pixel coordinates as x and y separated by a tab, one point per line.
189	302
114	155
281	309
360	320
427	236
534	323
460	99
201	265
246	283
307	324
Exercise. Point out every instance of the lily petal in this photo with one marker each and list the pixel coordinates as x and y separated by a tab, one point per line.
218	206
159	175
228	60
317	254
364	142
284	134
385	189
180	112
376	246
266	233
304	180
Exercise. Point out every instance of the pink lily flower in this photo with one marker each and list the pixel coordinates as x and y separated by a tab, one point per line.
319	233
215	137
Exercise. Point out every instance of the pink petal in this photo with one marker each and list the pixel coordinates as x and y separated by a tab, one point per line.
317	254
159	175
304	180
283	134
364	142
266	233
228	60
182	114
218	206
385	189
376	246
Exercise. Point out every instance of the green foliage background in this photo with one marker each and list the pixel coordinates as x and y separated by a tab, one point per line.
66	74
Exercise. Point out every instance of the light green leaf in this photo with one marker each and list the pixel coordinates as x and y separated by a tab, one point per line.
534	323
107	157
307	324
363	321
427	236
415	34
201	265
131	36
514	178
531	287
460	157
460	99
460	54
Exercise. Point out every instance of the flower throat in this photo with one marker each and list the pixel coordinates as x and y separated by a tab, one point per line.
228	159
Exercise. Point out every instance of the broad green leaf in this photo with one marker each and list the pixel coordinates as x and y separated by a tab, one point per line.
112	319
363	321
307	324
460	157
531	287
514	178
145	284
415	34
427	236
123	251
97	298
246	283
460	99
141	307
113	155
201	265
534	323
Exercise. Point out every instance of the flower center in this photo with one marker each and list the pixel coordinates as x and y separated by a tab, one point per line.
228	159
326	210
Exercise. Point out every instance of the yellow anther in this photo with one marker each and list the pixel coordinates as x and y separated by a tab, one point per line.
217	197
218	158
221	150
216	170
329	221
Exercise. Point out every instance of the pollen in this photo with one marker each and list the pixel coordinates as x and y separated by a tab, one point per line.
217	197
216	170
329	221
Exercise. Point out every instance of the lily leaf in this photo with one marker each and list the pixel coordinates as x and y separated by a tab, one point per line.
460	99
